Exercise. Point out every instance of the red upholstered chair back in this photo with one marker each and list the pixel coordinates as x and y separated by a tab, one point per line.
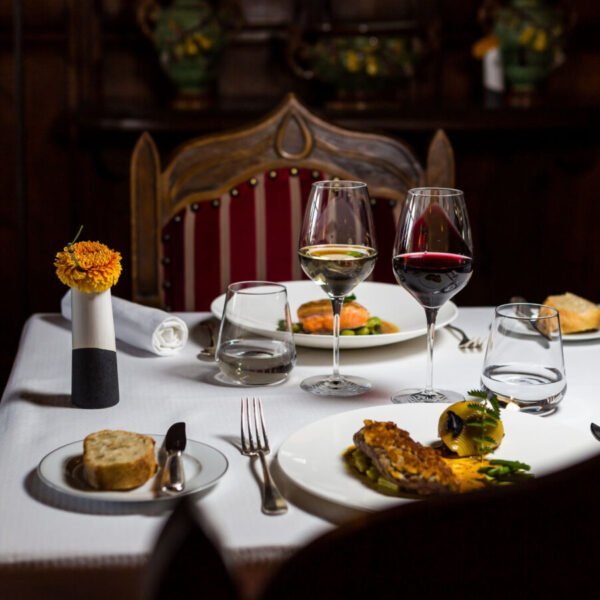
229	207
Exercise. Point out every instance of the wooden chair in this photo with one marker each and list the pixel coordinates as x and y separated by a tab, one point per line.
533	540
229	207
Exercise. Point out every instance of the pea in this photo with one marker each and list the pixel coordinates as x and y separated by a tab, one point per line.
374	322
347	332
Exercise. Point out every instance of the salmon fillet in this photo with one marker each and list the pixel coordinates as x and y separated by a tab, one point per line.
317	316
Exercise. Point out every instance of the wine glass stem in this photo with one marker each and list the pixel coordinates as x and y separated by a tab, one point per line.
431	315
336	304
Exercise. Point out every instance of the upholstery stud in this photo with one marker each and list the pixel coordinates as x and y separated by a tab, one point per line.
167	285
217	203
195	207
294	171
177	219
272	174
166	261
167	237
253	182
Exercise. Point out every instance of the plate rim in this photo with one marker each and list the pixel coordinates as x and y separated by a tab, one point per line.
320	341
96	495
384	501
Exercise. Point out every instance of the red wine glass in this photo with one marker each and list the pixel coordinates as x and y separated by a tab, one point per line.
433	261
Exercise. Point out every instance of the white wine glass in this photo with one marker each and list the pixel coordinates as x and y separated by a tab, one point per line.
337	251
433	261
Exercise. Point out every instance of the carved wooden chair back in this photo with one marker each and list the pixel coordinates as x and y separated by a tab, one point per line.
228	207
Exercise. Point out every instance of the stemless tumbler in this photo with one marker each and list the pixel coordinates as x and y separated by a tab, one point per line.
256	345
524	362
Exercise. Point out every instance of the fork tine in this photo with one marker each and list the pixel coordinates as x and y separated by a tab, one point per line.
263	427
242	435
252	446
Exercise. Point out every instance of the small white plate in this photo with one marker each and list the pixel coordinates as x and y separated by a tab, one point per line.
389	302
581	337
312	457
62	470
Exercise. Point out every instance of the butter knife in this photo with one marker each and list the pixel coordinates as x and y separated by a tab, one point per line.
172	475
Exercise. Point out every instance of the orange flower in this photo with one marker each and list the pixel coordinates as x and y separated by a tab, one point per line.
88	266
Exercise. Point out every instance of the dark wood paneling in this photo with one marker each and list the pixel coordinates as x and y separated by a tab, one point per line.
529	176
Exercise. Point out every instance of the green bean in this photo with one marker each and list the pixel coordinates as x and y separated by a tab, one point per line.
363	331
372	473
347	332
389	486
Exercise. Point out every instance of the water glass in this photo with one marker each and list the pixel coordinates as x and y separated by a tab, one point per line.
256	344
524	361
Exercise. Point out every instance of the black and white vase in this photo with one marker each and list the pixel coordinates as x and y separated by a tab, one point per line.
94	376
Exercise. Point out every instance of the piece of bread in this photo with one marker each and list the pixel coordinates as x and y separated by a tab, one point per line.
118	460
576	314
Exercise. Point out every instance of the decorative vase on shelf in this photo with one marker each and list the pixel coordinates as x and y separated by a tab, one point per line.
531	36
189	37
359	56
90	269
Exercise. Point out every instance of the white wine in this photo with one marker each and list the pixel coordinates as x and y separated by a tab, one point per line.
337	268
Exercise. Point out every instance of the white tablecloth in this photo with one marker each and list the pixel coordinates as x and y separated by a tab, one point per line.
36	417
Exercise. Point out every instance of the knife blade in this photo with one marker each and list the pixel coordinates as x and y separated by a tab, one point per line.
595	430
173	476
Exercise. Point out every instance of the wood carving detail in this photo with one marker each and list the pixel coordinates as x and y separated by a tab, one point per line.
294	139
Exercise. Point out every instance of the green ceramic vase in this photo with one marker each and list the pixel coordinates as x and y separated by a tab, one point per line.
189	37
530	34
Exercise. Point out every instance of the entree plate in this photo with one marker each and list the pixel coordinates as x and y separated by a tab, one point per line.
312	456
62	470
391	303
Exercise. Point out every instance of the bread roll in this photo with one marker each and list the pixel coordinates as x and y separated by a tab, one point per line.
118	460
576	314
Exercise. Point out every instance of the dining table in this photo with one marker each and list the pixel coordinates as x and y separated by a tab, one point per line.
54	544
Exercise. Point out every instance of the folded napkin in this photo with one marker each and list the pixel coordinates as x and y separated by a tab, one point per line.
148	328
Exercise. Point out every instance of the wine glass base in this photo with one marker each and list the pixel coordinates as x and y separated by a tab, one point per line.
419	395
343	386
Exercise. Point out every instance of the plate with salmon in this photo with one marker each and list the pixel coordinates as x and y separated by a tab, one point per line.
377	314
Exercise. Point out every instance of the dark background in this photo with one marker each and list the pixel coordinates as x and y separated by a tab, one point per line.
91	85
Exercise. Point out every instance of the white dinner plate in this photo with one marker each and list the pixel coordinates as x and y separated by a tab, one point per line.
62	469
389	302
312	457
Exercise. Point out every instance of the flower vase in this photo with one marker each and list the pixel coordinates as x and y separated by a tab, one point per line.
94	376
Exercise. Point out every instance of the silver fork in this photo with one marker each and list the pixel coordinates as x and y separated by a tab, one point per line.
467	343
255	443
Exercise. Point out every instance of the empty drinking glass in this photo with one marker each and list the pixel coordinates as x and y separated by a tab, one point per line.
256	345
524	361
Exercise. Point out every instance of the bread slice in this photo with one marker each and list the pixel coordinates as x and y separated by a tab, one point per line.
118	460
576	314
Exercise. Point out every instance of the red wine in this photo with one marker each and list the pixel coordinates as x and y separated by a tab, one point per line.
432	277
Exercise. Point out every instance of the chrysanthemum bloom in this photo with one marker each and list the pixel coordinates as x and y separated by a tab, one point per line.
88	266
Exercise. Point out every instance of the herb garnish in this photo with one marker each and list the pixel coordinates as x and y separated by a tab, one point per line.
487	415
